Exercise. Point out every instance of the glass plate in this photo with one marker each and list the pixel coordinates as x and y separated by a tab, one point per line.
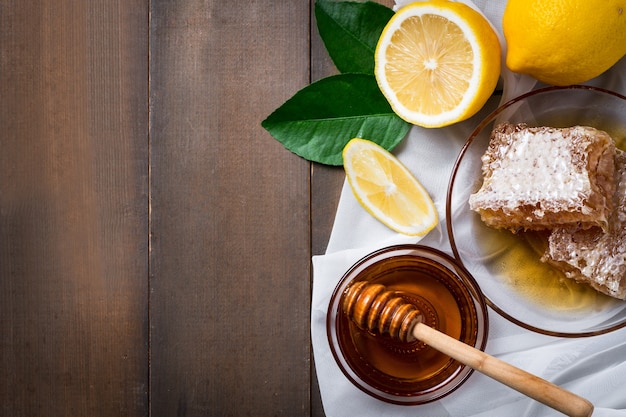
516	284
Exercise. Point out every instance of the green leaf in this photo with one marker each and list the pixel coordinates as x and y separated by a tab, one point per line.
318	121
350	32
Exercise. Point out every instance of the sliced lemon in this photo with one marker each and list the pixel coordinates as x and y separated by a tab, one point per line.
437	62
387	189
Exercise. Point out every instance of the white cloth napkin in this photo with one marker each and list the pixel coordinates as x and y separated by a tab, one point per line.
594	368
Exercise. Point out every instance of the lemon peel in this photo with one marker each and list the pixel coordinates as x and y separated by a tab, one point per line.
564	42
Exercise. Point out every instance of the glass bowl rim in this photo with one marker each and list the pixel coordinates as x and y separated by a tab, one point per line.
488	119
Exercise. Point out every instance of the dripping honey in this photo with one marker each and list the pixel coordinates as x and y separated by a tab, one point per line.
521	269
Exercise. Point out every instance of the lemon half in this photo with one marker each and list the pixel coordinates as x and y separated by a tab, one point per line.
437	62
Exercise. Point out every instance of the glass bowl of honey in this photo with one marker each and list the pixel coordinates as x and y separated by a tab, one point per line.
508	266
409	373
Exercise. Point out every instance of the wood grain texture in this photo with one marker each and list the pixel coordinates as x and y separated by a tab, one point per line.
155	241
326	181
230	211
73	208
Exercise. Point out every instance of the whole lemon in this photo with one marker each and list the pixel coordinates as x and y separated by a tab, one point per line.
564	42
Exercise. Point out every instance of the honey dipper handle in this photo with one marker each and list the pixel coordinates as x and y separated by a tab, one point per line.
534	387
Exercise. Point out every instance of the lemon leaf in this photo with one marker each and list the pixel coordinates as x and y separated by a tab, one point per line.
318	121
350	32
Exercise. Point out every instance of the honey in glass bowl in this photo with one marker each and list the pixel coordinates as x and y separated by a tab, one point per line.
449	300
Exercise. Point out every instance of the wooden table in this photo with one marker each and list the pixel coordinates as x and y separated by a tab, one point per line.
155	241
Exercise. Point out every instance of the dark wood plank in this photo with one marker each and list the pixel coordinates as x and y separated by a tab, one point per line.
326	181
326	184
230	244
73	208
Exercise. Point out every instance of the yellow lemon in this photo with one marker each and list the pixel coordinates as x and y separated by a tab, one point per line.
564	42
437	62
387	189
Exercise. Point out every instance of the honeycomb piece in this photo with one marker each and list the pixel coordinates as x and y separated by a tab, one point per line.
538	178
595	256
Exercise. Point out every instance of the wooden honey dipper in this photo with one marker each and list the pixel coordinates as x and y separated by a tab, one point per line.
380	311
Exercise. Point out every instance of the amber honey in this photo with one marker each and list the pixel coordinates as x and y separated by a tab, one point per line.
518	265
411	369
